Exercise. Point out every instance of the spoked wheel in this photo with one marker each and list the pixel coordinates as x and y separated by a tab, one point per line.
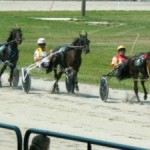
26	82
16	77
69	84
104	89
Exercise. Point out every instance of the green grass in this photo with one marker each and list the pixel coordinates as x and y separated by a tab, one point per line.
122	28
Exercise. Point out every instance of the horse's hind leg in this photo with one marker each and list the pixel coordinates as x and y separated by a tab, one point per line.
136	90
144	89
76	83
56	86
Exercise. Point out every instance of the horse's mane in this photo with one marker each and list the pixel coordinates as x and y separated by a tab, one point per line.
75	41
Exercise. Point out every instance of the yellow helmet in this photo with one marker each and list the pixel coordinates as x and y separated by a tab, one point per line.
121	47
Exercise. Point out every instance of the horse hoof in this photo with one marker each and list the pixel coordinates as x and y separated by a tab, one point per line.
57	90
11	87
145	97
52	91
10	84
77	88
9	80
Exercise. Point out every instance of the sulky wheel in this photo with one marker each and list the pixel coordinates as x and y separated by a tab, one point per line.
16	77
26	83
103	88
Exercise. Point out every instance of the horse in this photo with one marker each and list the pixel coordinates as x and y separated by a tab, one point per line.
69	59
9	52
140	64
138	68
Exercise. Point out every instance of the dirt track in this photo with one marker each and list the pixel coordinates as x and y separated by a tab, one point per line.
83	114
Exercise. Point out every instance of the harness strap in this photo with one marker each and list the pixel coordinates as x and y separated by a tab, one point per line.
140	59
2	48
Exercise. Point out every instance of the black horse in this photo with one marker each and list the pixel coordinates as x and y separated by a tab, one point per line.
69	59
138	68
9	53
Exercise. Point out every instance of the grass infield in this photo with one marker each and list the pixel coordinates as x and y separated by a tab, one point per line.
106	30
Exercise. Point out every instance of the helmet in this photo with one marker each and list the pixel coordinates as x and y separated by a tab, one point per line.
41	41
121	47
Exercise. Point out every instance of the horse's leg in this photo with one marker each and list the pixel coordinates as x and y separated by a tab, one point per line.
136	89
1	72
76	83
144	89
73	83
57	77
11	74
72	79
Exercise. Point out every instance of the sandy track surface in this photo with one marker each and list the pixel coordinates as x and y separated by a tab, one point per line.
83	114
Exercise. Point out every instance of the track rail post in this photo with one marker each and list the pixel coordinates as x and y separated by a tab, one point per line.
17	131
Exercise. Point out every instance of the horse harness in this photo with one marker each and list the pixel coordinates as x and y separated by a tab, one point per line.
7	54
2	51
63	49
139	60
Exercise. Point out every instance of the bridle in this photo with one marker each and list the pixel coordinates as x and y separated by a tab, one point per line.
15	36
84	42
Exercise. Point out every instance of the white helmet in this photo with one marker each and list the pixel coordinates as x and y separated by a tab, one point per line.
41	41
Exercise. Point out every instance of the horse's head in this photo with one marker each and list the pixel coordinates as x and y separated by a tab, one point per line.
15	36
85	42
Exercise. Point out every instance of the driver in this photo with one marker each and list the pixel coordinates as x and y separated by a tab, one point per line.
41	52
119	60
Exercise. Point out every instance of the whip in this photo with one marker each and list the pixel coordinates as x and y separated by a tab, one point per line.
134	43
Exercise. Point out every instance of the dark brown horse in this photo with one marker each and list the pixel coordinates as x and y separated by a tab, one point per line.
69	59
138	68
9	53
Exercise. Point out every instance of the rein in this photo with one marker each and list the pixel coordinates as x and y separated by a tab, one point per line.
12	41
76	47
7	43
